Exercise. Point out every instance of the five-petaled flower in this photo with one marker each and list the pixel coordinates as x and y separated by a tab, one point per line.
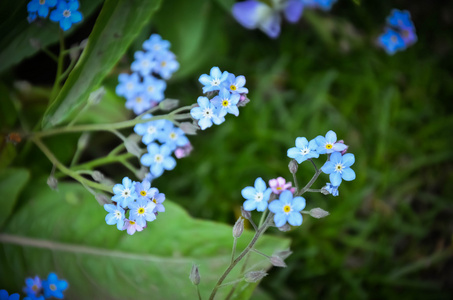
287	209
124	193
53	287
339	168
329	143
303	150
115	215
257	197
207	114
158	159
142	211
214	80
67	14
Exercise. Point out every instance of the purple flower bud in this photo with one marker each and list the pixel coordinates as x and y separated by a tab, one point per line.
277	261
183	151
345	150
293	166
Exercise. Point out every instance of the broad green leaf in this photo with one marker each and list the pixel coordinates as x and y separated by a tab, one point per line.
116	27
65	232
17	32
12	181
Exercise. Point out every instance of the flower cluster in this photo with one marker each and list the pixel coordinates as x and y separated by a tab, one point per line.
285	201
142	201
144	88
400	32
64	12
228	94
254	14
37	289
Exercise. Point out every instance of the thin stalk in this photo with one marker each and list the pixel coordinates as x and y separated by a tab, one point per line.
56	86
68	70
102	161
184	108
260	253
310	183
234	249
116	150
67	171
198	292
50	54
296	184
314	190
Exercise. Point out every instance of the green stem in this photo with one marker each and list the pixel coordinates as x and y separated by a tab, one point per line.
314	190
116	150
50	54
68	70
103	161
67	171
56	85
296	184
234	249
198	292
310	183
252	243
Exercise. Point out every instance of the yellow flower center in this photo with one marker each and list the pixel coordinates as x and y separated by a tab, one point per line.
329	146
233	87
34	287
53	287
138	99
163	64
154	200
172	135
287	208
143	193
225	103
141	210
132	222
150	89
279	188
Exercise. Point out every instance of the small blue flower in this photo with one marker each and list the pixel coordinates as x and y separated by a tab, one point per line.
142	211
166	64
41	7
293	10
339	168
150	130
256	197
116	215
156	44
158	199
391	41
409	36
303	150
124	193
53	287
227	102
172	136
66	14
144	190
400	19
207	113
31	297
154	88
332	189
325	4
158	159
235	85
5	296
213	81
329	143
139	103
287	209
32	286
128	85
144	63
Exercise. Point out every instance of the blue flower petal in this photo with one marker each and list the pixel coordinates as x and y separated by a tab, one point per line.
301	142
335	157
298	203
331	136
249	205
248	192
293	10
328	168
348	174
295	218
276	206
260	185
348	160
286	197
261	206
280	219
335	178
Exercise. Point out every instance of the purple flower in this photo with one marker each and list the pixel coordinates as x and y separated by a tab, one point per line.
293	10
279	185
158	199
287	209
132	226
183	151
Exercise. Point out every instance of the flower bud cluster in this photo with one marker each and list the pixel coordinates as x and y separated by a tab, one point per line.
141	201
144	88
228	93
65	11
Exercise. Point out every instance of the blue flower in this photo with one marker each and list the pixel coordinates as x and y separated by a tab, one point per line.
293	10
128	85
154	88
325	4
41	7
158	159
166	64
143	190
31	17
254	14
32	286
139	103
53	287
144	63
303	150
235	85
287	209
256	197
332	189
31	297
207	113
391	41
227	102
158	199
115	215
142	211
400	19
408	35
66	14
213	81
149	130
339	168
5	296
124	193
172	136
329	143
156	44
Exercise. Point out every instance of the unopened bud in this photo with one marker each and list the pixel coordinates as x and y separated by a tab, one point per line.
238	227
52	182
254	276
131	144
102	199
293	166
168	104
284	253
194	275
246	214
96	96
35	43
243	100
324	191
277	261
98	176
318	213
189	128
83	141
285	228
183	151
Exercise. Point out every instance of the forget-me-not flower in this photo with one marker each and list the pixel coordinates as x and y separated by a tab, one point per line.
227	102
128	85
154	88
213	81
124	193
116	215
156	44
332	189
54	287
41	7
257	196
279	184
328	144
32	286
166	64
66	13
235	85
131	226
149	130
144	63
206	113
139	103
400	19
303	150
158	199
143	190
287	209
339	168
4	295
172	136
391	41
142	211
158	159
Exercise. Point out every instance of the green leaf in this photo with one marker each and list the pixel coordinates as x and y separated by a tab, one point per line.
116	27
66	232
17	32
12	181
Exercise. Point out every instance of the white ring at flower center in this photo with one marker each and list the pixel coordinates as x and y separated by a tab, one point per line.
305	151
158	158
339	167
259	197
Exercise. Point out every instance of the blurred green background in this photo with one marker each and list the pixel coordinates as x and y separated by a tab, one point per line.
389	233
